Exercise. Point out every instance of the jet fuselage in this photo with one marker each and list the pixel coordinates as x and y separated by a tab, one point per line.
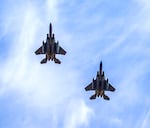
100	85
50	48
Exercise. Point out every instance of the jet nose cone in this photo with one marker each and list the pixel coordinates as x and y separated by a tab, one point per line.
50	24
101	64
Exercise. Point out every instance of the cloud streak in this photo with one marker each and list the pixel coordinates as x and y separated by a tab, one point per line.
53	95
39	90
146	121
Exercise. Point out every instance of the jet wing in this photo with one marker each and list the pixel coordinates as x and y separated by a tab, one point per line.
108	87
61	51
91	86
39	51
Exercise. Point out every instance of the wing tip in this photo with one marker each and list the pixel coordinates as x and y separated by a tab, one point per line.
36	52
85	88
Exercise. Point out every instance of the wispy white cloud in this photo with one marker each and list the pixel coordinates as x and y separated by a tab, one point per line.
39	89
145	123
126	54
50	94
78	114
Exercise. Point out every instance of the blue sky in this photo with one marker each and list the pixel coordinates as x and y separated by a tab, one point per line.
53	96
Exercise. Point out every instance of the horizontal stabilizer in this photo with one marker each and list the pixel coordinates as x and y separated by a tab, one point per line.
44	61
106	97
57	61
93	97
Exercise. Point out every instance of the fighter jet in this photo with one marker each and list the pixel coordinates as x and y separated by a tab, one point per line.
100	85
50	48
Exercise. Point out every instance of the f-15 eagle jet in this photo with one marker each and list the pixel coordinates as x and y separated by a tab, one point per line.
100	85
50	48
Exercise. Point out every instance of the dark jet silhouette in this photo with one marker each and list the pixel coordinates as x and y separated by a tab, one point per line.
100	85
50	48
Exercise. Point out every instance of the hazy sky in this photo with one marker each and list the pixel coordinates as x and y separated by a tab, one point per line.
53	96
